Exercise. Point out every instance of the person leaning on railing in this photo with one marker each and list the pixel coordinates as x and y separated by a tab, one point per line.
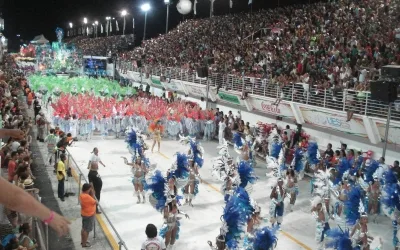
16	199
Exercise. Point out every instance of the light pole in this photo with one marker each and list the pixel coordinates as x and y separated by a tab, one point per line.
96	23
123	14
108	24
167	2
145	8
85	22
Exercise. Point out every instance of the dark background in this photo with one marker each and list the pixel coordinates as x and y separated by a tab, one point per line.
31	18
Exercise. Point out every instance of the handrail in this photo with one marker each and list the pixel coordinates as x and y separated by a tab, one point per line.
357	102
121	241
37	227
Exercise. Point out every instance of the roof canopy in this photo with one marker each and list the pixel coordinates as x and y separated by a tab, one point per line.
39	40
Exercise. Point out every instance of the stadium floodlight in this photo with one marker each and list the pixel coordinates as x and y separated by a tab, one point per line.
71	25
85	20
145	7
124	13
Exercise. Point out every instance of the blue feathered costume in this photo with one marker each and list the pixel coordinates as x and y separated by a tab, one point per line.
246	174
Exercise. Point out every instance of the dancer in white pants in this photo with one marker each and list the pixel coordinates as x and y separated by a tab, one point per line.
221	131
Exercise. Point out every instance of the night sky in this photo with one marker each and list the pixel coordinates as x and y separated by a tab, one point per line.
31	18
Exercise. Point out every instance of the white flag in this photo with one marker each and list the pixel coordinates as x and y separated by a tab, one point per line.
194	7
101	28
133	23
116	24
231	4
250	2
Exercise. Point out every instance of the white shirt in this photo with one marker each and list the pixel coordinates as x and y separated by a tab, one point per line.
222	126
153	244
14	146
95	158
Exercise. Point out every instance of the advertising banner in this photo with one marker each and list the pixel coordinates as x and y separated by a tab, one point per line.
199	90
394	132
174	85
269	107
229	97
336	121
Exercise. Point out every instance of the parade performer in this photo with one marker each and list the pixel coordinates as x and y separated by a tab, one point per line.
137	147
298	162
164	198
235	216
192	188
359	234
117	124
139	172
246	174
156	129
276	208
291	188
391	203
209	127
74	123
321	216
223	164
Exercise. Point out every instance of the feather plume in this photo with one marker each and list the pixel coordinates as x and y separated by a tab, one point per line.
265	238
338	239
340	170
352	205
312	155
156	184
390	194
246	173
371	169
298	163
181	170
197	153
238	141
275	150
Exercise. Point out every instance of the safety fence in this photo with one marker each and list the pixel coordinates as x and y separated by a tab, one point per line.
77	173
40	230
357	102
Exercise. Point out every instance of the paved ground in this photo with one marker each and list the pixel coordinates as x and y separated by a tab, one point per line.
47	183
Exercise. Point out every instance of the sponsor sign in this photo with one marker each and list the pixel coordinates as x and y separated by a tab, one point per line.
269	107
336	121
227	97
196	90
393	134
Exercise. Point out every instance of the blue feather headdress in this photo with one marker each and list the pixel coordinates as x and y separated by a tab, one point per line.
338	239
298	163
246	173
238	142
312	153
157	184
196	153
134	147
352	205
275	150
265	238
390	194
340	170
6	240
181	170
236	213
371	169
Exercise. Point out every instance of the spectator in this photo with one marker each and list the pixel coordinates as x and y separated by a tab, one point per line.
24	238
61	176
152	242
12	166
88	212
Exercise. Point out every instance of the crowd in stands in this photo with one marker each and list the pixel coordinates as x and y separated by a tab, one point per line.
16	158
101	46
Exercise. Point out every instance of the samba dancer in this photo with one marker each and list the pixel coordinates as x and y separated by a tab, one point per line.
291	187
139	172
321	216
164	197
192	188
359	234
156	129
276	208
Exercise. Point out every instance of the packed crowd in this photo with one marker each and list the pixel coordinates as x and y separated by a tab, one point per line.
330	45
17	160
101	46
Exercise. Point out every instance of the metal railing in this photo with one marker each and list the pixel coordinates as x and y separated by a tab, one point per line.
40	231
358	102
72	163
